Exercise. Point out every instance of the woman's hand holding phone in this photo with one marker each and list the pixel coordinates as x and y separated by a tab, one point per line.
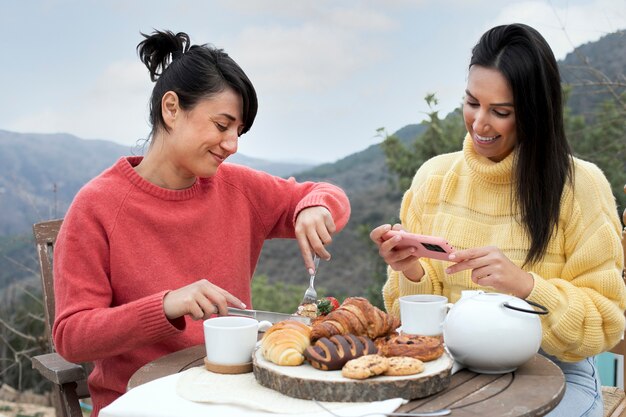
398	257
425	246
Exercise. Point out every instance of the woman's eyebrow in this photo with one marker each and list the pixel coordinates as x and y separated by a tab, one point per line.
491	104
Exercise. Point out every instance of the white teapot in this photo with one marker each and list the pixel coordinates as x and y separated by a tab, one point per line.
492	333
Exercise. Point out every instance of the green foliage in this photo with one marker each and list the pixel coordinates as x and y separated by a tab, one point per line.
377	268
281	297
441	136
603	142
278	296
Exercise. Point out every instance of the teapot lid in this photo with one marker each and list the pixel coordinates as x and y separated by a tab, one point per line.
480	295
509	301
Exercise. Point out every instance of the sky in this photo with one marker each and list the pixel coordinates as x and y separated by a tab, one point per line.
328	73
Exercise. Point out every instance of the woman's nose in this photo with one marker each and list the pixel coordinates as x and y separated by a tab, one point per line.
230	142
480	124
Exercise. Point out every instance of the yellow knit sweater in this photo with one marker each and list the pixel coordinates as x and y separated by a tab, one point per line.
466	199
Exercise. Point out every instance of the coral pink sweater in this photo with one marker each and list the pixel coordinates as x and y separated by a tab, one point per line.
125	243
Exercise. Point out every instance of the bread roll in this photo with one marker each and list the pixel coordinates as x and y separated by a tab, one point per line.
284	343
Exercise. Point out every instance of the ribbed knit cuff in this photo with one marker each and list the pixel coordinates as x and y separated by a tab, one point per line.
309	201
543	293
154	322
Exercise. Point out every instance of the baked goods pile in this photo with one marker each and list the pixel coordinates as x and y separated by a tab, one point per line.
356	337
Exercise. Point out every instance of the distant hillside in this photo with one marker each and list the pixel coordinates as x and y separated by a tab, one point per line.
365	179
588	68
33	166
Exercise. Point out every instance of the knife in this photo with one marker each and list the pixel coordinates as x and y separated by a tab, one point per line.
267	315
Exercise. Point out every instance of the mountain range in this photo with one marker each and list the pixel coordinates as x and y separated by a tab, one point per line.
40	173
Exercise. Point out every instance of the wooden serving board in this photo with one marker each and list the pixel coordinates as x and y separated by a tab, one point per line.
309	383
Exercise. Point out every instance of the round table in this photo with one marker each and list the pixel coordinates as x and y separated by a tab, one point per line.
532	390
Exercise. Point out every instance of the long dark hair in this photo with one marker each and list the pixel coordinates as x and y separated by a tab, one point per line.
193	72
544	159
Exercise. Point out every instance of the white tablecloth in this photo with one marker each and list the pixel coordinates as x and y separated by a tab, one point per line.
158	398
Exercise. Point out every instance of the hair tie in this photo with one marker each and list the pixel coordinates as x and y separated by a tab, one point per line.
176	55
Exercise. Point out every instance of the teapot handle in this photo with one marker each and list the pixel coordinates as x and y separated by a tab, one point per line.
523	310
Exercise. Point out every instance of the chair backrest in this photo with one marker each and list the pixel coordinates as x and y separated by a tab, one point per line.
45	237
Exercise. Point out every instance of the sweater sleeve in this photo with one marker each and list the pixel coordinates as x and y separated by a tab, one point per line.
587	301
278	201
88	325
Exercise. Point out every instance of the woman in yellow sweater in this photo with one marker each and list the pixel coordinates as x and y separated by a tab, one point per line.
525	216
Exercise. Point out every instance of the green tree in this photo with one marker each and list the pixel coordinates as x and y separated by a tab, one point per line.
441	136
278	297
603	142
281	297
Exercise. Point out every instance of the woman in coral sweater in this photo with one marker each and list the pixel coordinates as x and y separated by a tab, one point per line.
155	244
525	216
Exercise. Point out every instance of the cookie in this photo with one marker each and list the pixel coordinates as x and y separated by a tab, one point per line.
365	367
403	365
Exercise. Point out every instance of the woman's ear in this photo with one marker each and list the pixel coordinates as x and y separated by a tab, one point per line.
170	108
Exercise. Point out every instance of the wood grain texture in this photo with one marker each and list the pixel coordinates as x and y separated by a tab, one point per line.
305	382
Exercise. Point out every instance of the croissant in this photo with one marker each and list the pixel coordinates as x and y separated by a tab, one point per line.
284	343
355	316
331	354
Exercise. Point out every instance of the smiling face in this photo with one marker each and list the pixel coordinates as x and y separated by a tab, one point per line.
201	138
489	113
196	140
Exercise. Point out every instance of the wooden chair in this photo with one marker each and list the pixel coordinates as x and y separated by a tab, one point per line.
69	379
614	397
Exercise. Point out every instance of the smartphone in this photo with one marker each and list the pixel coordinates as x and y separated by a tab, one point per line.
426	246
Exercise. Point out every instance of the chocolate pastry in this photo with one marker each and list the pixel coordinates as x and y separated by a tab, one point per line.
331	354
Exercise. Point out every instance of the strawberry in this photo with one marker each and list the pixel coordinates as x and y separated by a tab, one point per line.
333	302
326	305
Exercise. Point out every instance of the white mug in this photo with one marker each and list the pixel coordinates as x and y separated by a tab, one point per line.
230	340
423	314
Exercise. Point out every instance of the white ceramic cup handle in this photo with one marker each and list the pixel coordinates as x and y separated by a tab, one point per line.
448	306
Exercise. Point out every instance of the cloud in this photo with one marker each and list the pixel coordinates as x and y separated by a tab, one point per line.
111	108
568	26
319	53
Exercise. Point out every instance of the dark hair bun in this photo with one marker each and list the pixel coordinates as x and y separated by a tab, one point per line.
157	50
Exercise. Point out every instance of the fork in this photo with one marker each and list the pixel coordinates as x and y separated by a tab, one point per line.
442	412
310	295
